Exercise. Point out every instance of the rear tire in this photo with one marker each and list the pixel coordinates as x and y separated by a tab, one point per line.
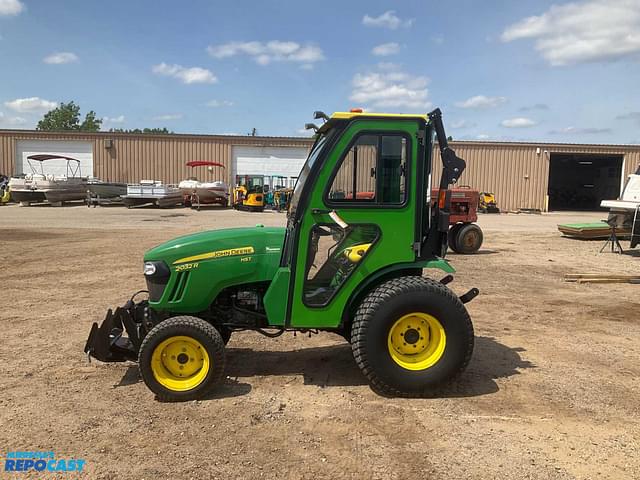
182	358
468	239
440	329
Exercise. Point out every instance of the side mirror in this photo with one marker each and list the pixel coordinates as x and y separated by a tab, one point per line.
310	126
317	115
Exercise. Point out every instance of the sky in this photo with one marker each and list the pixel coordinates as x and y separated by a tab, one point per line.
550	71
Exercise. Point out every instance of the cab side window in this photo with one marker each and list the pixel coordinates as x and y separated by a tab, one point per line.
372	171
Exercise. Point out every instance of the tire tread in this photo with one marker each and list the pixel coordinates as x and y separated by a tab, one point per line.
196	324
367	310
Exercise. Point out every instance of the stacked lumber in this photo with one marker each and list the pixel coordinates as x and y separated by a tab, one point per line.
601	278
591	231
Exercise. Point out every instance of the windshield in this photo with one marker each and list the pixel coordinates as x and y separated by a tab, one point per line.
304	173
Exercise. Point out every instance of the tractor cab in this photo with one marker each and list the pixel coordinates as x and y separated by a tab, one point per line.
360	230
360	210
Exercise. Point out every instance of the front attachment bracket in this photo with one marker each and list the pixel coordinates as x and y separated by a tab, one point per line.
106	341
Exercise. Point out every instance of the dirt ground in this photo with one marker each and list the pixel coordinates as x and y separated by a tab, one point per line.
552	391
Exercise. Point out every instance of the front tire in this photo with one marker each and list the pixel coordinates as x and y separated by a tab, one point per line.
410	336
182	358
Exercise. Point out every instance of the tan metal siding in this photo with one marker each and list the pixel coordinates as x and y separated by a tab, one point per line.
492	166
7	154
516	173
159	157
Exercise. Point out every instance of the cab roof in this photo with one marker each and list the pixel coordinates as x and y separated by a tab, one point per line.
350	115
345	116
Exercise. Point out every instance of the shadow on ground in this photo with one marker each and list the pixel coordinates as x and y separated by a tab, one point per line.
479	252
491	361
230	387
334	366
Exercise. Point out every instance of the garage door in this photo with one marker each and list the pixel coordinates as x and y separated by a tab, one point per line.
82	151
579	181
267	161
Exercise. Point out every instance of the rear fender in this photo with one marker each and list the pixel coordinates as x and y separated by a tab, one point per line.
387	273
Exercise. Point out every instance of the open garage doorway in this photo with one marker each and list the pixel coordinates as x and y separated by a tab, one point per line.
579	181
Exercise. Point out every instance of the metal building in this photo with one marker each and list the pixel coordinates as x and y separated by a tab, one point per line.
546	176
542	176
130	158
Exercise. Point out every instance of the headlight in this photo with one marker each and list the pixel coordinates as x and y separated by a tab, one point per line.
149	268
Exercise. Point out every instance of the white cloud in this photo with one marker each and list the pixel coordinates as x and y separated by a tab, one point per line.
386	49
394	89
115	120
481	101
167	117
518	122
31	104
483	136
579	32
388	19
264	53
185	75
577	130
462	124
9	8
11	122
219	103
60	58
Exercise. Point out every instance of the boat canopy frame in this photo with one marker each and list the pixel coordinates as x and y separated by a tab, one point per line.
72	171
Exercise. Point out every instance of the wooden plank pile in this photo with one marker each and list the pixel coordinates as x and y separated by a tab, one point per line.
601	278
591	231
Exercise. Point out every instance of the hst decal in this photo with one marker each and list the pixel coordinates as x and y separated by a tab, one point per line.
231	252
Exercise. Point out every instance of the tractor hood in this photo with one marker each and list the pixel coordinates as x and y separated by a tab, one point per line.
190	271
218	244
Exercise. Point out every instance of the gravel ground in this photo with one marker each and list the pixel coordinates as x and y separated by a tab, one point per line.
551	392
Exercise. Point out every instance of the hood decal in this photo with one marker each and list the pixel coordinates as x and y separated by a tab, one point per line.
231	252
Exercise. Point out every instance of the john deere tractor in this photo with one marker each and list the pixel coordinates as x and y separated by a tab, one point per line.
360	232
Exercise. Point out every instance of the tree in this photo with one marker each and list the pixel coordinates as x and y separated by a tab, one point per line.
91	123
66	116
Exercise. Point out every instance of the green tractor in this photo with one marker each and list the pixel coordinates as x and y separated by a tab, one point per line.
360	232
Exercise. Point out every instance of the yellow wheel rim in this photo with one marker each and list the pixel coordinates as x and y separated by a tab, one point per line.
416	341
180	363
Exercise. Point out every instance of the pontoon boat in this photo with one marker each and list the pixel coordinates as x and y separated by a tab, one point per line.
196	192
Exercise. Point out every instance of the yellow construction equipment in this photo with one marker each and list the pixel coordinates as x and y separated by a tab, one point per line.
248	193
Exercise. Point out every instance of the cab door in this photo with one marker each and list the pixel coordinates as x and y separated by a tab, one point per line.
361	217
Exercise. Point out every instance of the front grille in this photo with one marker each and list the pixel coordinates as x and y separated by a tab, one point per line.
156	286
179	287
